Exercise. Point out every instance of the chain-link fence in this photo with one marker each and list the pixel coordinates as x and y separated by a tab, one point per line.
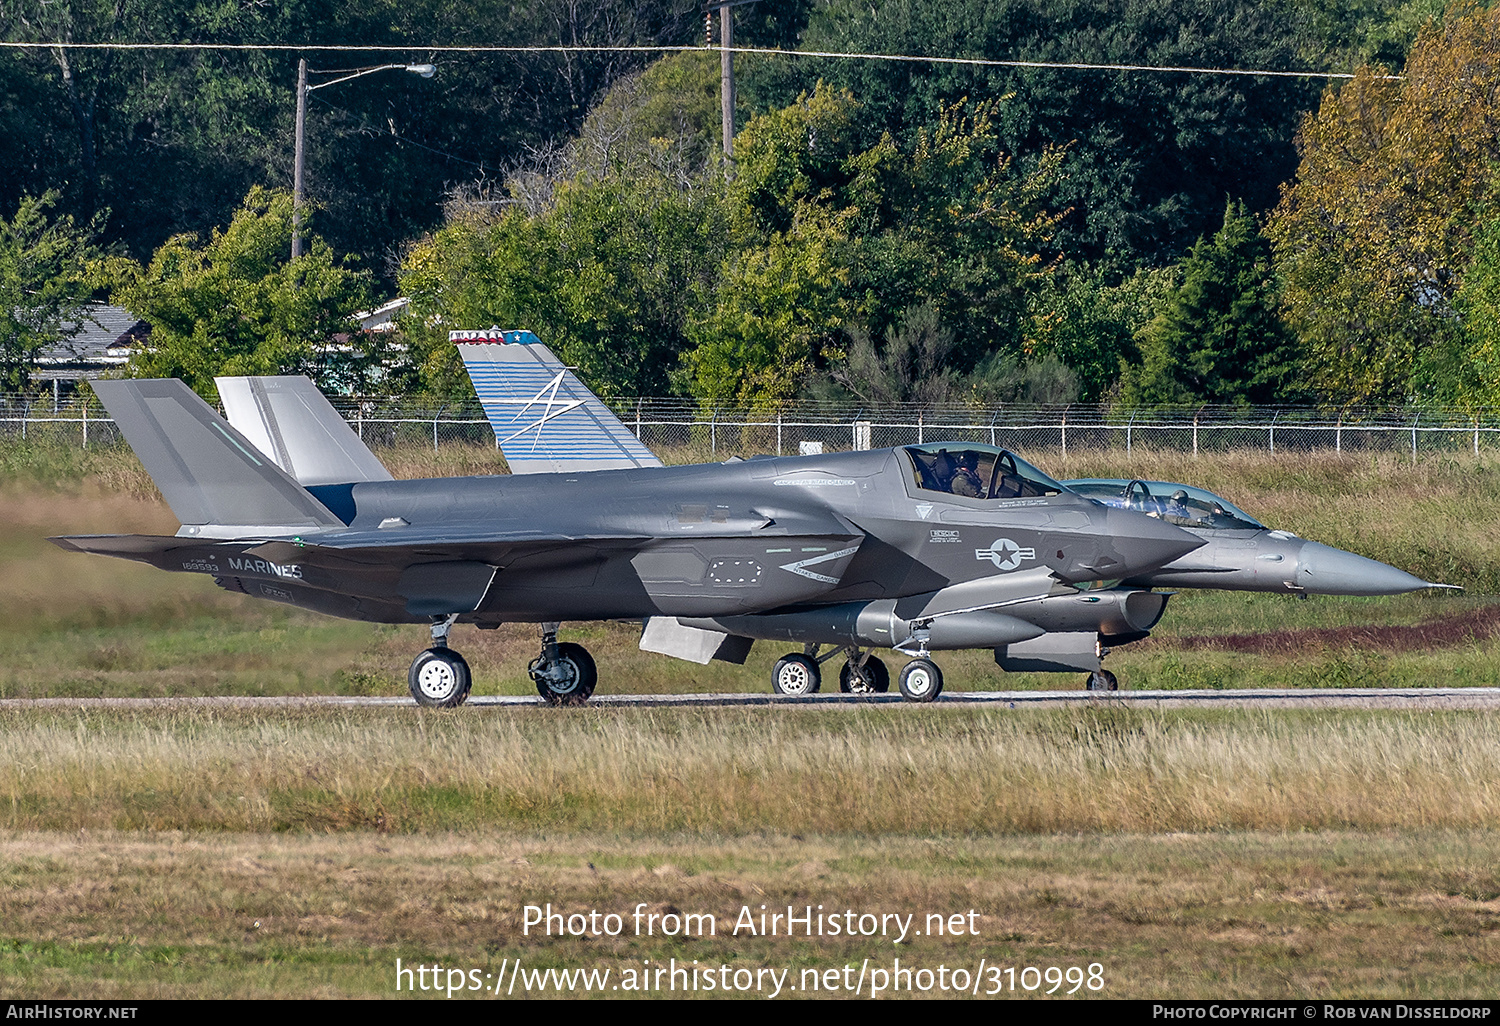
682	431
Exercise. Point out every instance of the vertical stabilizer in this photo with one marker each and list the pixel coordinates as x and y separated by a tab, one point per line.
214	478
294	424
545	419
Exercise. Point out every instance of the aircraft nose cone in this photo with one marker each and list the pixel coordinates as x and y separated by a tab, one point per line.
1143	543
1324	570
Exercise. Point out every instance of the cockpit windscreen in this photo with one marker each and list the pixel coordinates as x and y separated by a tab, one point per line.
975	471
1178	504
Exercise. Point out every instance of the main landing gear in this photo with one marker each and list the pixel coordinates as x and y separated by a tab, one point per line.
1101	680
439	678
564	673
861	674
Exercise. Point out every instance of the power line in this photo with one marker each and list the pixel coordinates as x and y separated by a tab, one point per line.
366	125
982	62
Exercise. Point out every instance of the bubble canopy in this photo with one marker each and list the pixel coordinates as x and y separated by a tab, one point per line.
976	471
1180	504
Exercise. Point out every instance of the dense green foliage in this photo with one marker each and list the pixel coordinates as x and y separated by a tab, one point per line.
1374	236
1218	338
897	229
170	141
47	273
238	304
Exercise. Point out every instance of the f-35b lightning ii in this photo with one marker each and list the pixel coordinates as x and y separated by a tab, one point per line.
919	549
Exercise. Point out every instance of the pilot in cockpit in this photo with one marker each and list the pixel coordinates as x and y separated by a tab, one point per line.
966	478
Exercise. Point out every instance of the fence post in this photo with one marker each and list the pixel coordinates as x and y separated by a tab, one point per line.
359	420
435	418
1476	434
992	427
1338	434
25	416
1129	429
1195	435
778	432
1065	431
1271	430
713	434
638	420
1414	436
919	427
85	424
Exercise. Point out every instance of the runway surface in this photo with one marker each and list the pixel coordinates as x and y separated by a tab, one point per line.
1288	698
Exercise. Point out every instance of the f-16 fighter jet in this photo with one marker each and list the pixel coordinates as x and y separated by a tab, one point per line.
1239	552
918	549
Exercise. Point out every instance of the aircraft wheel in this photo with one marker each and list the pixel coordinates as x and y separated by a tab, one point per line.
439	678
796	675
1102	680
921	681
569	679
875	679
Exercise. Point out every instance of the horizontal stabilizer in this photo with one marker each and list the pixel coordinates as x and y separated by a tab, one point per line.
210	474
294	424
545	419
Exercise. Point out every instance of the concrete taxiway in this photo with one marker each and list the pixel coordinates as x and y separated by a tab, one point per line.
1268	698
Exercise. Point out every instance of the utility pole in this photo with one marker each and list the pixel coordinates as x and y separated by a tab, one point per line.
726	75
297	159
726	66
299	144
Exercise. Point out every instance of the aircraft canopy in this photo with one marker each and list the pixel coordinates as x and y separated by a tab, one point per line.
1180	504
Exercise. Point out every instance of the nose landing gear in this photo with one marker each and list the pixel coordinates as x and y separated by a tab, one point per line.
439	678
921	681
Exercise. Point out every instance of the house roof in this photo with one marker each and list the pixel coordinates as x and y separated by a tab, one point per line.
104	340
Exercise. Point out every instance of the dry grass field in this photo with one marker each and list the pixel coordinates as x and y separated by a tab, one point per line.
300	852
1299	915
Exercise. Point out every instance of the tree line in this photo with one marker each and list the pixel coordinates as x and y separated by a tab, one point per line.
890	232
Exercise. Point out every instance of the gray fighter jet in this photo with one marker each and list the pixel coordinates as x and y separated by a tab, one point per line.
917	549
1239	552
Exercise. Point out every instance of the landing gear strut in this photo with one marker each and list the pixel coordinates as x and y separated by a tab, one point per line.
863	674
439	678
564	673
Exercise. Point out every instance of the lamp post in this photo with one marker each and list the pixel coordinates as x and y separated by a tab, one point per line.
425	70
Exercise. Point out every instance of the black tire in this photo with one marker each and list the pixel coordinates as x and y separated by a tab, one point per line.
877	678
439	679
921	681
796	675
1101	680
575	687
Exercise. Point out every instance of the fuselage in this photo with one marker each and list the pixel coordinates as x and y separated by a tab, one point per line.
716	539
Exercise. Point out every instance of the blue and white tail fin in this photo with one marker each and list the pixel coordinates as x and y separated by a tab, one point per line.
294	424
545	420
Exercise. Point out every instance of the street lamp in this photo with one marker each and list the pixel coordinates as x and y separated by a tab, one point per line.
425	70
